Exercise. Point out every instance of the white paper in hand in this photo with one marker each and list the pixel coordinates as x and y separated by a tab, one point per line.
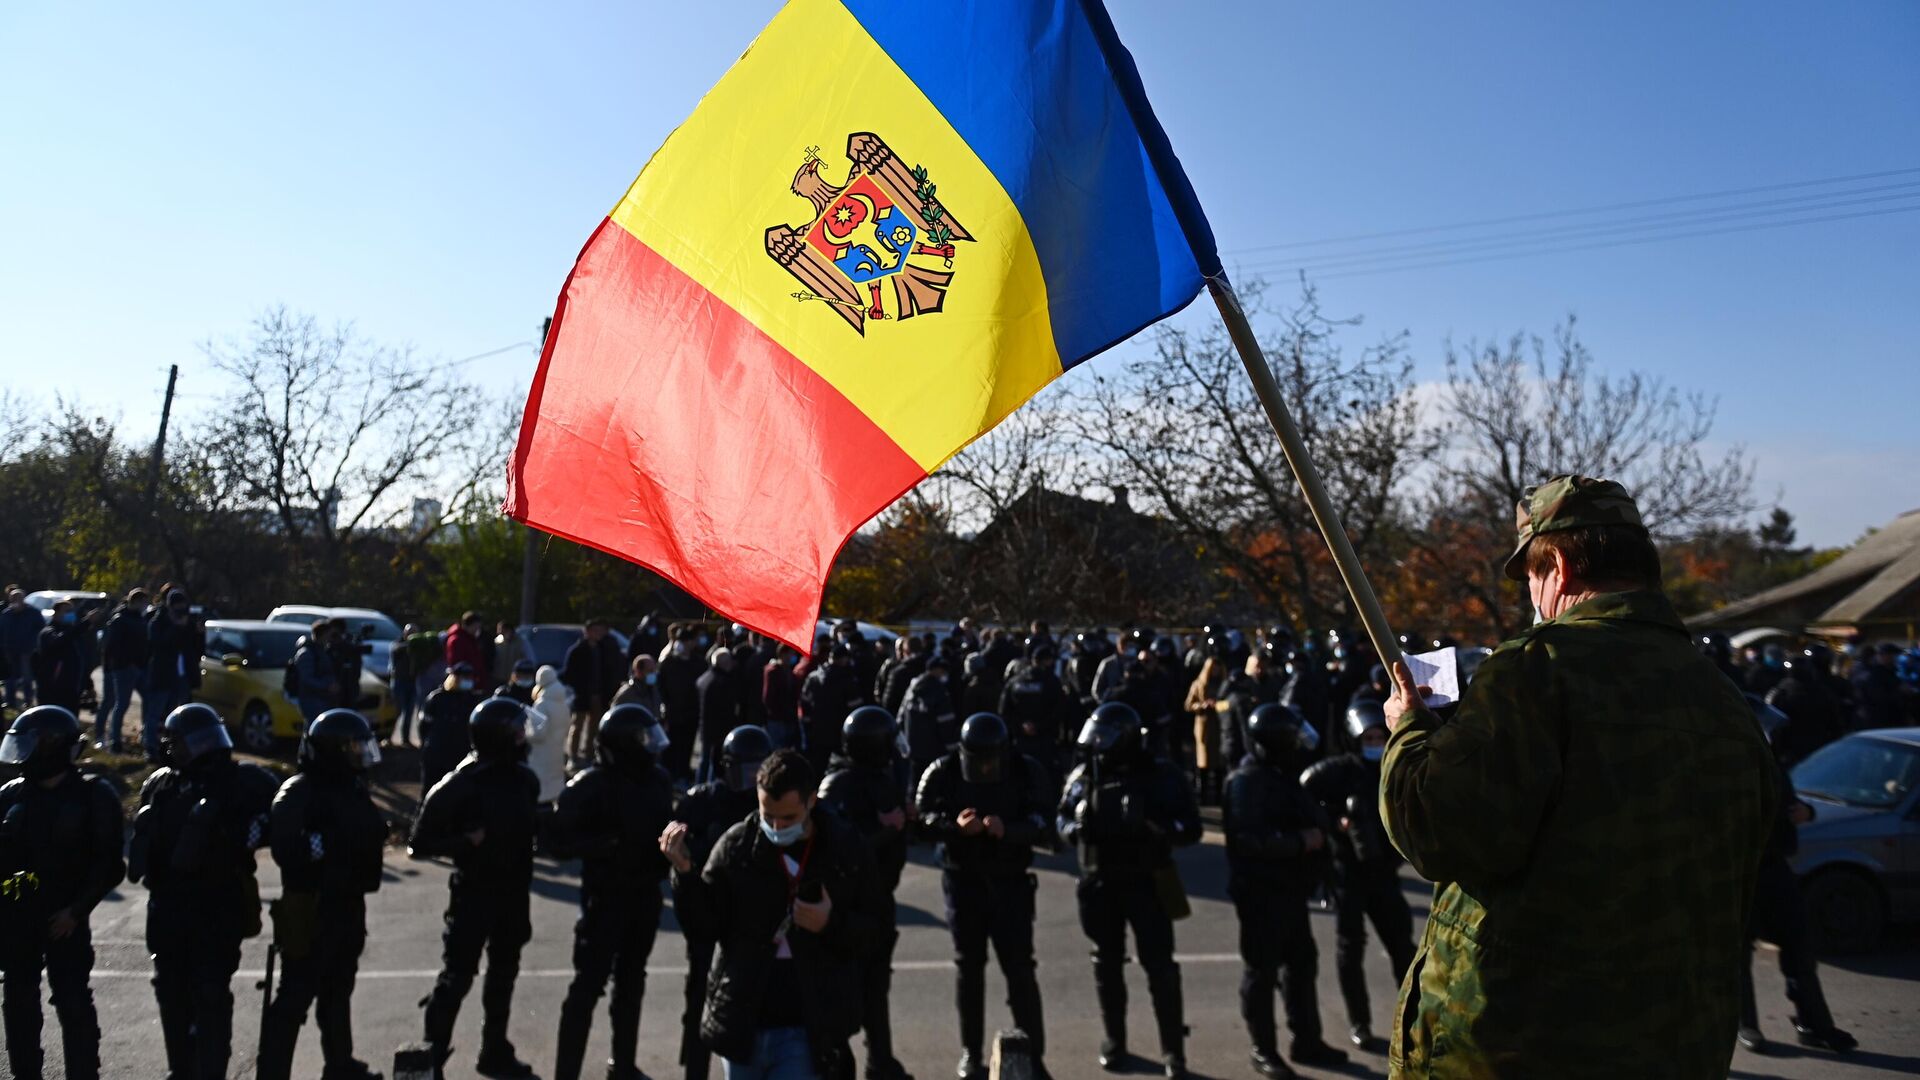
1439	671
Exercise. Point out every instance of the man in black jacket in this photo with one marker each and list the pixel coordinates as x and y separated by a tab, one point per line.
680	671
123	667
1347	787
830	693
988	807
1276	850
707	812
610	816
175	641
481	815
1254	684
1125	810
1036	708
864	789
200	821
60	836
443	724
327	837
59	668
719	694
792	897
594	668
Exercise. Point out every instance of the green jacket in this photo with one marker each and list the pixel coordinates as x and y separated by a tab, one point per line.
1593	818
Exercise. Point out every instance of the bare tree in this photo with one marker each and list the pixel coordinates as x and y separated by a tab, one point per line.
325	429
1516	412
1184	429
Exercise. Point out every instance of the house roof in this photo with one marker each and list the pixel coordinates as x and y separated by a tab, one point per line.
1853	588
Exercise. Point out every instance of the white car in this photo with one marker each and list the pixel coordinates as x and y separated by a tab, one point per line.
371	628
83	602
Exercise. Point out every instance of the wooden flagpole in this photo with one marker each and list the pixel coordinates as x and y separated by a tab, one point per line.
1324	515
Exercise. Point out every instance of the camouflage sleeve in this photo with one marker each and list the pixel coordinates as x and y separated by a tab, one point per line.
1463	799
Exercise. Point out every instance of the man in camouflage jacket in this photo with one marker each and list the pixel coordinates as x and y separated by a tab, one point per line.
1593	818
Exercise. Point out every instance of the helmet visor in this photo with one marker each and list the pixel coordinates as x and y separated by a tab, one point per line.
191	746
18	746
363	753
655	740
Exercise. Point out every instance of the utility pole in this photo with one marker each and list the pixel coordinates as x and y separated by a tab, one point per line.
160	442
530	555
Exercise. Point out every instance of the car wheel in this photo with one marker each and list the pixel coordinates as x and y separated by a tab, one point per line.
256	729
1845	911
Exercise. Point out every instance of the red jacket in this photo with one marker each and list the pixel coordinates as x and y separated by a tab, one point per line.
463	647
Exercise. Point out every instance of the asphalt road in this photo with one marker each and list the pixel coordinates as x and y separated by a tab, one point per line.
1877	998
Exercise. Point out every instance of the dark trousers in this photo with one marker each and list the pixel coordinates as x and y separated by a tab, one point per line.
321	979
1108	906
194	958
1369	891
67	962
1276	945
876	988
694	1053
613	937
488	918
1780	916
997	909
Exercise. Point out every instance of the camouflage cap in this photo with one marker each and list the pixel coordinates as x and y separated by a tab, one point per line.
1568	502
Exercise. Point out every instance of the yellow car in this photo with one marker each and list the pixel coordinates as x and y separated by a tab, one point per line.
243	676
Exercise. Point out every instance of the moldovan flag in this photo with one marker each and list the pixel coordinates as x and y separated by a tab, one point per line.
888	226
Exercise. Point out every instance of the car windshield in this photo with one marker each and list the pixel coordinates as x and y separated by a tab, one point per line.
271	648
370	628
1860	772
549	644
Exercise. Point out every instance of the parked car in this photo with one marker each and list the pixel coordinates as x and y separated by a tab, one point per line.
369	627
83	602
547	643
871	631
1859	858
243	676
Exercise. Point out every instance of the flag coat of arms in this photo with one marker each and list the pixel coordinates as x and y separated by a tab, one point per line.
888	226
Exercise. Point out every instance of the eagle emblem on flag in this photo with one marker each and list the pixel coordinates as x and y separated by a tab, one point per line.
884	230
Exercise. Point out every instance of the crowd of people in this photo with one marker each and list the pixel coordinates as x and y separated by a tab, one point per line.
775	798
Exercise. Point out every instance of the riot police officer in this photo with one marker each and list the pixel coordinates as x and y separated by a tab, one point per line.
443	724
1367	886
864	788
327	837
610	816
60	836
708	811
1036	708
1276	851
482	817
1125	810
201	819
987	807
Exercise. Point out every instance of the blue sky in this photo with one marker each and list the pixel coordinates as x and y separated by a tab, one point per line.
430	171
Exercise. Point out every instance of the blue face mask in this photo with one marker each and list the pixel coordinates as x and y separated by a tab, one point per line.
786	837
68	618
652	677
1373	753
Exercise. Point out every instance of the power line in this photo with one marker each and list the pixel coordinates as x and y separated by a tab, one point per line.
1672	222
1603	208
1726	230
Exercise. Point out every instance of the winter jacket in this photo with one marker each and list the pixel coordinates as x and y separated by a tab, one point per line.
20	628
58	668
741	898
444	730
719	695
547	737
124	642
499	799
593	669
464	648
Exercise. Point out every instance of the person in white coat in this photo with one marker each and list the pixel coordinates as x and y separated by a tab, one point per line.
547	736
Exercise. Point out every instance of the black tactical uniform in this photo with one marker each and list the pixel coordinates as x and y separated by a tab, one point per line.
986	878
829	695
610	816
482	817
327	837
60	836
1125	811
863	787
709	810
200	821
1274	858
1036	709
1367	885
443	725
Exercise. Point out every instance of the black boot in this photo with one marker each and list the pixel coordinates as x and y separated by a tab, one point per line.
1110	988
1828	1038
1170	1016
1268	1063
1362	1036
498	1060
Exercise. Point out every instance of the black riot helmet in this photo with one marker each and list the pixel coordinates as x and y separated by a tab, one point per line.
1819	658
1363	716
1165	649
868	737
42	742
983	749
1140	637
497	729
629	738
1112	735
1281	737
339	742
741	755
195	733
1715	647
